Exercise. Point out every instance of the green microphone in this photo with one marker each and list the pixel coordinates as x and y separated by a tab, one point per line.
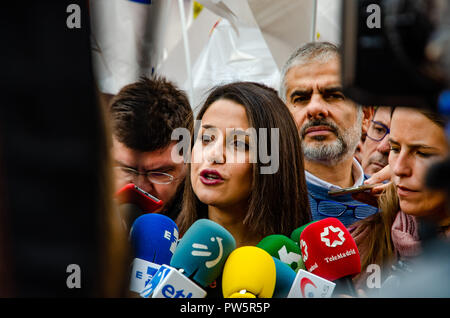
283	248
295	235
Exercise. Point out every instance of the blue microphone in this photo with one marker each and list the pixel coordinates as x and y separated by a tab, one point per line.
285	277
154	238
199	258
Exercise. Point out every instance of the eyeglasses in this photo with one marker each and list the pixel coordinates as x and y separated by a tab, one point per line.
130	174
377	131
336	209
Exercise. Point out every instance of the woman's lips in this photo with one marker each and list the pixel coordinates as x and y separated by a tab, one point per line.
210	177
404	191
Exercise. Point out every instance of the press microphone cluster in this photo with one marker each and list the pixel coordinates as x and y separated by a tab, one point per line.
320	264
318	260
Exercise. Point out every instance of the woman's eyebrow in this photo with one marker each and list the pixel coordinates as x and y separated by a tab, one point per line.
413	145
235	131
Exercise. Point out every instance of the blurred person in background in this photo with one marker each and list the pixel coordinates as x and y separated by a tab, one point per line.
375	149
56	205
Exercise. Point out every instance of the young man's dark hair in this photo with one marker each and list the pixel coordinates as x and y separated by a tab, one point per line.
143	116
145	113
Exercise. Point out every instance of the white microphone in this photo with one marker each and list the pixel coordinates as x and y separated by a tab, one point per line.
308	285
168	282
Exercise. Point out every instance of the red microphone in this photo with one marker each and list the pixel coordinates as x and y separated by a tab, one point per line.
133	202
329	251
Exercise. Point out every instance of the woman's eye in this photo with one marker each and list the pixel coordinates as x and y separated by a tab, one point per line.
424	154
240	145
207	138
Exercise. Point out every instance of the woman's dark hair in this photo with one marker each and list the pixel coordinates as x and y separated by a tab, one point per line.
278	203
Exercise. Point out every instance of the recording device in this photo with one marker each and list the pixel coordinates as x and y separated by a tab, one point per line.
357	189
396	52
282	248
154	239
133	202
329	251
198	260
249	272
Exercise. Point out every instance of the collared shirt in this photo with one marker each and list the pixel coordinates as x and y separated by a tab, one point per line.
357	172
318	192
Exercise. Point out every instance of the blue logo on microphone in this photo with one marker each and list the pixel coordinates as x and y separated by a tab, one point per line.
162	272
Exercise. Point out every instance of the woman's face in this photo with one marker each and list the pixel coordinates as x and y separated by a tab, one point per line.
416	143
221	172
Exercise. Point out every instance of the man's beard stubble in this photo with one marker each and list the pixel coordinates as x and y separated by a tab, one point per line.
331	153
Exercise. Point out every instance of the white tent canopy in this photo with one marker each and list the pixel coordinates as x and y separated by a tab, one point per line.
228	40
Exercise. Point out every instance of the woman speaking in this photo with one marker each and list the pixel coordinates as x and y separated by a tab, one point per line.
232	178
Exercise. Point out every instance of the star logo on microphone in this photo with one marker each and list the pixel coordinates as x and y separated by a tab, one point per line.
332	236
304	248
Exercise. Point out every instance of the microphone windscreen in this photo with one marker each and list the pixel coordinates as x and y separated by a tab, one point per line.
295	235
283	248
154	238
285	277
249	272
203	250
329	251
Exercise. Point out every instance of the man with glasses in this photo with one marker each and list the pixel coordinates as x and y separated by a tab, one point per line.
330	126
375	150
143	116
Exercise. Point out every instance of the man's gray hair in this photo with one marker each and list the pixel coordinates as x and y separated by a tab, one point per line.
309	52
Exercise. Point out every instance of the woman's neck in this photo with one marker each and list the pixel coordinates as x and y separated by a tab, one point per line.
232	219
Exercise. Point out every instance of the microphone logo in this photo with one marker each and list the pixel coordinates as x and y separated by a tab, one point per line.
202	251
306	281
304	248
332	233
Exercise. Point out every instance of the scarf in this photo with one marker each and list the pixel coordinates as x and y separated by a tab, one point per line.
405	235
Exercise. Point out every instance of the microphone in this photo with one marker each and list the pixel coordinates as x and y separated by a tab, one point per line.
285	277
329	251
154	239
133	202
295	235
283	248
249	272
308	285
197	261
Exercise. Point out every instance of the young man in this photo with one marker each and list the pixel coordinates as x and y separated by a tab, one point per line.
143	116
330	126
